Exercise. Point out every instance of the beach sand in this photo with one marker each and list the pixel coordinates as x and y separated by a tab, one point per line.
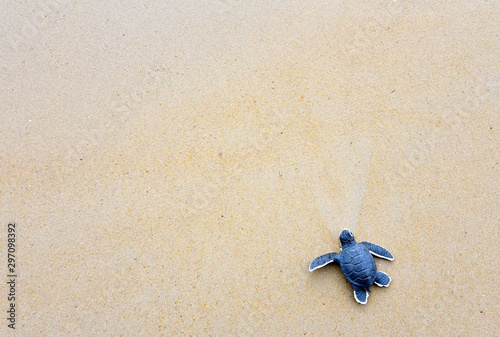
173	168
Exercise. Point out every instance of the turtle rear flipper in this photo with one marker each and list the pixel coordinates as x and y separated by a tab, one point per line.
382	279
377	250
360	294
323	260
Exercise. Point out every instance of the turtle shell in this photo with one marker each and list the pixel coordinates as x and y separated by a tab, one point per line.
358	265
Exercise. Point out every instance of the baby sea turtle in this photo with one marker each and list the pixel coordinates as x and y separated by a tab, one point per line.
357	264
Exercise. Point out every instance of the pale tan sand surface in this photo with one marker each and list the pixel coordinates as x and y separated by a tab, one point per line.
173	167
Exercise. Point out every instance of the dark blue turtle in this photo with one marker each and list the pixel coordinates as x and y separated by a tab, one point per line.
357	264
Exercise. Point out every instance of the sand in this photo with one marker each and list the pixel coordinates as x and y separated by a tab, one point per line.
172	168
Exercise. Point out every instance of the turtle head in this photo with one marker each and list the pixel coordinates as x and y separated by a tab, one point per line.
346	238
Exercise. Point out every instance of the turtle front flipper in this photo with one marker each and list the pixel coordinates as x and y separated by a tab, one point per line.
382	279
323	260
378	251
360	294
